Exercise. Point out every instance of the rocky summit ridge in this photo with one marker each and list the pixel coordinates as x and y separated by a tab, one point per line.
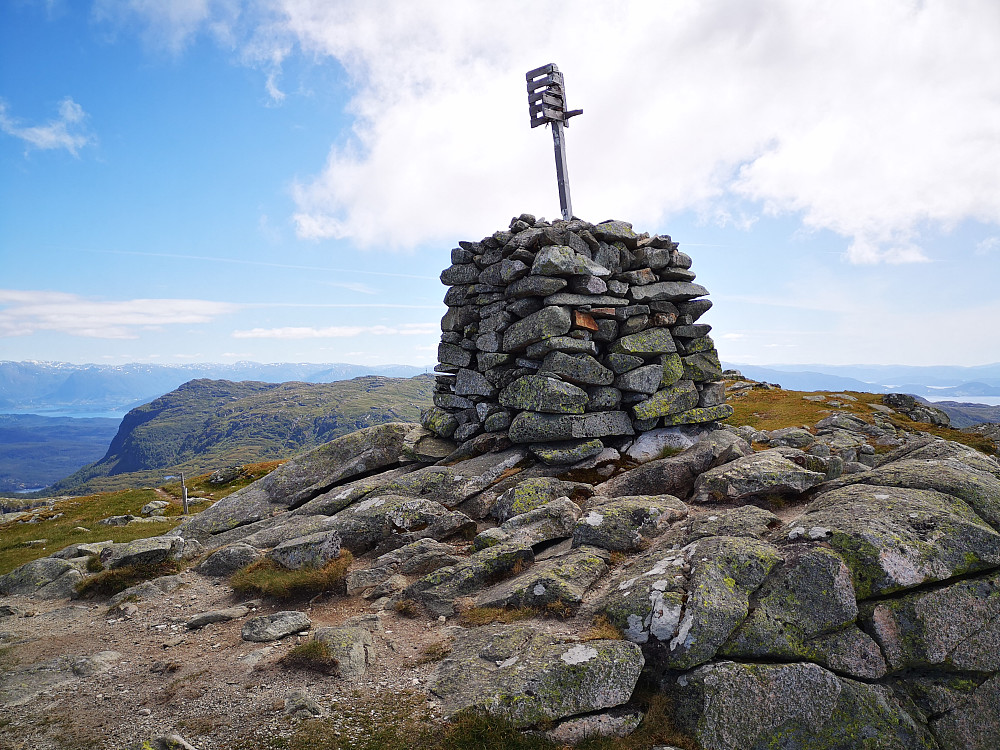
570	538
836	586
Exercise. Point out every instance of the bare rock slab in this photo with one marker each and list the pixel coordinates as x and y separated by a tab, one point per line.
729	706
529	677
894	538
275	626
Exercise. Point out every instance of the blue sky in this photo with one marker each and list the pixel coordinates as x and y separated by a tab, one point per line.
283	180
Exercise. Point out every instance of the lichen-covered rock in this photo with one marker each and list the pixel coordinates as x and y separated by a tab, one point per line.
532	493
352	646
654	444
554	520
416	558
567	452
980	489
668	291
760	474
302	479
531	427
560	260
528	677
972	723
545	394
547	322
375	519
581	369
729	706
648	343
893	538
626	523
559	581
690	600
437	590
955	627
453	485
803	602
673	399
746	520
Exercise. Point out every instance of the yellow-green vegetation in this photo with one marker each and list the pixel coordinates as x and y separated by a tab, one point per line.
774	409
110	582
84	513
201	489
401	721
476	616
602	630
267	578
312	655
434	652
79	513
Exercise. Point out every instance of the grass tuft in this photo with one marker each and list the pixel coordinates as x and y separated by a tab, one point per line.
476	616
111	582
434	652
602	630
407	608
312	655
267	578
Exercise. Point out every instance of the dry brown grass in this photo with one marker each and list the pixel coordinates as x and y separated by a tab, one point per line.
266	578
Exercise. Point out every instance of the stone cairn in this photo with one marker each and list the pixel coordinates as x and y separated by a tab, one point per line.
571	337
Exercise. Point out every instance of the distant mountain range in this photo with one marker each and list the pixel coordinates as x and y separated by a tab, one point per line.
935	383
209	424
70	389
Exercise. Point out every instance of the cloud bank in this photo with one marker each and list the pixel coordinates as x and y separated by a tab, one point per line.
871	120
24	312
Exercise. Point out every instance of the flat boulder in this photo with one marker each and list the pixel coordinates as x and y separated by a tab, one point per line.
897	538
759	474
275	626
554	520
980	489
141	551
528	677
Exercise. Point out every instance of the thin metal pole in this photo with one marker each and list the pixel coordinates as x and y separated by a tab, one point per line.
184	494
562	170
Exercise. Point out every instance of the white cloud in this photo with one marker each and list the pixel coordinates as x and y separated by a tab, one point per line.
169	26
66	131
23	313
870	120
332	332
988	246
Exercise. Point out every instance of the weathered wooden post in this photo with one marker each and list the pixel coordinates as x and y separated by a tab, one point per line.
547	104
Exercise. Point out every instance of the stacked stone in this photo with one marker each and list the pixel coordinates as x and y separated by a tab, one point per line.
571	337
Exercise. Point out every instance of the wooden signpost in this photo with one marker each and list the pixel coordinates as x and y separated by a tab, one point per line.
547	105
